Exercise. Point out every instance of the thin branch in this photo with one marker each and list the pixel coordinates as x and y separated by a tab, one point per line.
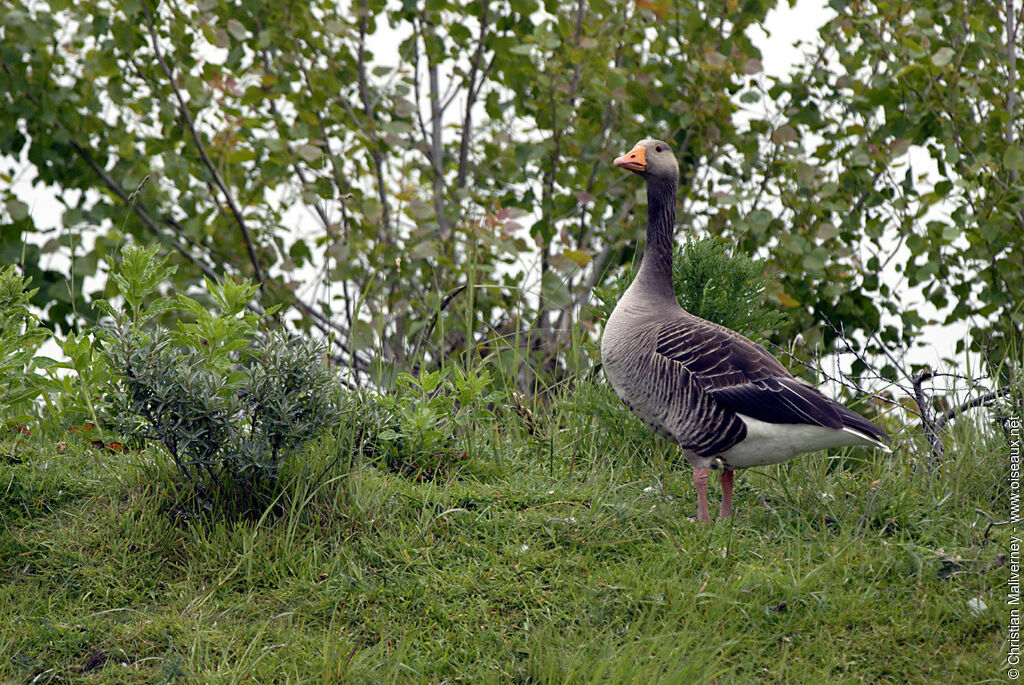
435	140
368	107
986	400
425	146
207	162
1011	66
930	429
472	90
429	329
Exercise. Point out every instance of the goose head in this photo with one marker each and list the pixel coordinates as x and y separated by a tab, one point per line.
651	160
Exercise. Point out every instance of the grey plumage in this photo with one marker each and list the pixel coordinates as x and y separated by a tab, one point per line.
722	398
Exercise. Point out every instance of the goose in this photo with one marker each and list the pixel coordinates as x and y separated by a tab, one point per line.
723	399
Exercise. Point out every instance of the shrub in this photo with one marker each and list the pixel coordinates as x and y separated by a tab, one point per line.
228	403
20	338
419	430
723	288
714	285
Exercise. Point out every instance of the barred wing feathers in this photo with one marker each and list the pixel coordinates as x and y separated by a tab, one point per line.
741	377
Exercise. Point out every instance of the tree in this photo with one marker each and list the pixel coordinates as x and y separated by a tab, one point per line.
210	128
888	78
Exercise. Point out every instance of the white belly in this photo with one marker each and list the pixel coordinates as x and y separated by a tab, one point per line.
771	443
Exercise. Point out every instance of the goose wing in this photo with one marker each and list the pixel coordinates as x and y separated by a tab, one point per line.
742	377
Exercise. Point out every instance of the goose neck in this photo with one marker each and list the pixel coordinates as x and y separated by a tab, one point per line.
656	268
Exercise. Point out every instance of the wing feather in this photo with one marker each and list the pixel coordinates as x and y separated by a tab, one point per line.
742	376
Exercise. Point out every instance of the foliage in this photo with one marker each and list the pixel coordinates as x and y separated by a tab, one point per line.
228	403
206	126
728	289
477	160
20	338
430	418
903	130
74	385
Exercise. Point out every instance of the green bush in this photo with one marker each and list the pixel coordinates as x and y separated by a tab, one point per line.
425	428
20	338
726	289
228	402
723	288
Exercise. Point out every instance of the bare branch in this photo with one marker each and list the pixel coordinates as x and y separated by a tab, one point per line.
923	403
986	400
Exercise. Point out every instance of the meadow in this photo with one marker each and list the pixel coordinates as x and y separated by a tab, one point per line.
556	544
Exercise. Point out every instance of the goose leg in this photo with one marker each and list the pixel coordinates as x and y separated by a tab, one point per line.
700	482
725	478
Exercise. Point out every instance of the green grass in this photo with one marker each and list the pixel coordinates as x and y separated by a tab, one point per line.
568	558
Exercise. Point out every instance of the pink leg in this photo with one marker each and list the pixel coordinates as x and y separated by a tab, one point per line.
726	479
700	481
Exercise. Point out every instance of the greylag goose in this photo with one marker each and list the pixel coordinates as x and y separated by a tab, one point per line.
722	398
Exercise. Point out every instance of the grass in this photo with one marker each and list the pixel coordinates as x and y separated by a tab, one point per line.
566	557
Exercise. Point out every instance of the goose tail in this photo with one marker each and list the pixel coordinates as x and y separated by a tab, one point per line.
858	425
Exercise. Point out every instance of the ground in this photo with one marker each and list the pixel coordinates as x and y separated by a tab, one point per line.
572	558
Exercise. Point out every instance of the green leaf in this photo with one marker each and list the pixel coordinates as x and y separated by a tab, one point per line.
943	56
814	260
237	29
1013	158
554	292
17	209
310	153
715	59
389	435
784	134
578	256
363	336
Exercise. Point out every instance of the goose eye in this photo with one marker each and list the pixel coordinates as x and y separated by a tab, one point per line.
657	148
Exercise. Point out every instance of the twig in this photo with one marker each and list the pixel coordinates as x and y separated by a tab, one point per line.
1011	67
471	94
207	162
986	400
842	379
428	331
435	141
368	107
930	429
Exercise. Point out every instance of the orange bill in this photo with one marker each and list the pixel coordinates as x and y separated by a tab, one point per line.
634	160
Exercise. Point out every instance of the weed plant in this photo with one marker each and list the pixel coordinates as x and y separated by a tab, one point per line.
20	338
228	402
429	425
